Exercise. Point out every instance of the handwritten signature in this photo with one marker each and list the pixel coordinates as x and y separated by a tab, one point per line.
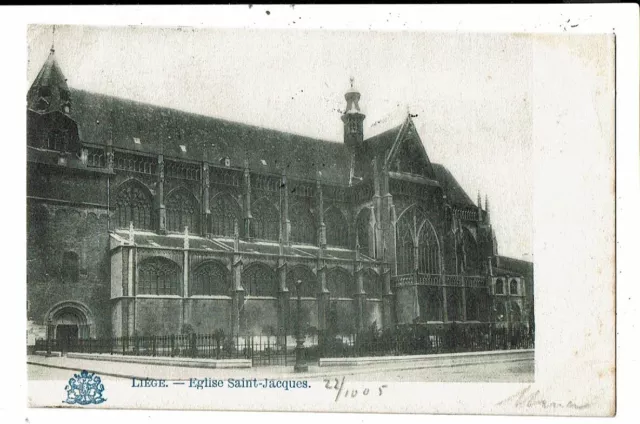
529	398
338	385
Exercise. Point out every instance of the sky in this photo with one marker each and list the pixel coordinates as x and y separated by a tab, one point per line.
472	93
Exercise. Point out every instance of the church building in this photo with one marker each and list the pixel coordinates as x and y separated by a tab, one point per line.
146	220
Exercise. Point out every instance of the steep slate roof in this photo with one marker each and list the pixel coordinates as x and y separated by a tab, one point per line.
383	141
456	195
516	266
454	192
101	117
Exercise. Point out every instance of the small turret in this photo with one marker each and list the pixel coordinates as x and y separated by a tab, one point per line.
487	217
352	117
49	91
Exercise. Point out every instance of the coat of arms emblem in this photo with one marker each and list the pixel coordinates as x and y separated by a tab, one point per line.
84	389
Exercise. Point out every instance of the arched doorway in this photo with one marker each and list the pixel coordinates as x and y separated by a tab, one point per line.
68	322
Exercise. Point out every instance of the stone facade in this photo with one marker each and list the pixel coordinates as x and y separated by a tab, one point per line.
146	220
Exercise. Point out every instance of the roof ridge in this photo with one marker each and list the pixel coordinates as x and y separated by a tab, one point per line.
385	132
201	115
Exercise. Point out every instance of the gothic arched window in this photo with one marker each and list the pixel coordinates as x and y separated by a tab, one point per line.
134	204
182	211
337	228
260	280
159	276
266	221
69	268
303	228
363	228
372	284
405	228
308	278
513	287
428	250
210	279
340	284
225	212
499	286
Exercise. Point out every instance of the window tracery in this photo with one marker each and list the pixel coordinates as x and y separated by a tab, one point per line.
340	284
133	204
225	212
182	211
336	227
210	279
159	276
307	277
303	229
266	221
260	280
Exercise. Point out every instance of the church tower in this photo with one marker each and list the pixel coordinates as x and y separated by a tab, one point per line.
352	118
49	91
49	122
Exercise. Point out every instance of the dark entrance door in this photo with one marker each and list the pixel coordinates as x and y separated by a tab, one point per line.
67	336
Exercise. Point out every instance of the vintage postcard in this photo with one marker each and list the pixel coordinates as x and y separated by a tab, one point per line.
261	218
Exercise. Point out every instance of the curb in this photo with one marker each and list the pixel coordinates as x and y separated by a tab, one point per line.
321	372
447	359
40	364
176	362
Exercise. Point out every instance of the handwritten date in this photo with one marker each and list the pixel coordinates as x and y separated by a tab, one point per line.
349	393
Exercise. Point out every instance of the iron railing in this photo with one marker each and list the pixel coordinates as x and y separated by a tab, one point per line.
269	349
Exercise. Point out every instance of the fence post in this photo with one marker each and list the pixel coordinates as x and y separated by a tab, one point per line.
194	347
172	343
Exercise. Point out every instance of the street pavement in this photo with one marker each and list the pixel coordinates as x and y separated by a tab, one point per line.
41	368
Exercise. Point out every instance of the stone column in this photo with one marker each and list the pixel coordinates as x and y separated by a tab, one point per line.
247	201
464	303
109	154
185	278
237	291
237	302
377	207
372	246
206	208
388	320
387	222
445	314
285	223
131	284
322	230
133	270
284	313
162	212
360	295
323	293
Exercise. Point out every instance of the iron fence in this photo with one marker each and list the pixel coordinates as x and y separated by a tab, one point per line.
270	349
424	339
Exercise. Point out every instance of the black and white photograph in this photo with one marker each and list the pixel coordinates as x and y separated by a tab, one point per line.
326	219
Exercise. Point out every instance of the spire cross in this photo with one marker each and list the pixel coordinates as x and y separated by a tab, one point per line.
351	81
53	38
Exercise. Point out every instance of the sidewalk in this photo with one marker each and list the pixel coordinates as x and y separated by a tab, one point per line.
172	372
